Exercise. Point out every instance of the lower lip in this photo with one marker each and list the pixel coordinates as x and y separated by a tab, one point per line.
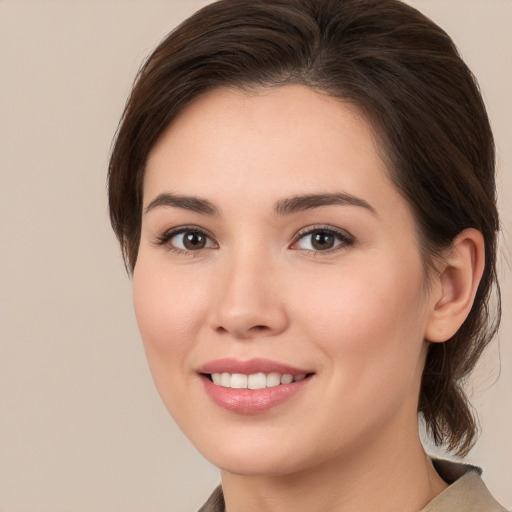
251	401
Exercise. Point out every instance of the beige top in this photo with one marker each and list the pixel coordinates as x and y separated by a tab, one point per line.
466	493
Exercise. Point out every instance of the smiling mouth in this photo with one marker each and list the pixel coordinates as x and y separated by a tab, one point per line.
253	386
255	380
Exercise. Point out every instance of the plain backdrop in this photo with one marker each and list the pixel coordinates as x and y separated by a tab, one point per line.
81	427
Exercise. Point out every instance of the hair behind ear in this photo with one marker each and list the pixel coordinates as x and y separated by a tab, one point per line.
453	353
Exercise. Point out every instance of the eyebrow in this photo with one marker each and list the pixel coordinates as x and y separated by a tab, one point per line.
283	207
194	204
310	201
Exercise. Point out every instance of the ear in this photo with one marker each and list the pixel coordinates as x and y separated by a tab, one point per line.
455	287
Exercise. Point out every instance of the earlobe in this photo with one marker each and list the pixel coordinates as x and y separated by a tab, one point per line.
457	282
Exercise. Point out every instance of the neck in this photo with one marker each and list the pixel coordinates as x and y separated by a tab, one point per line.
384	476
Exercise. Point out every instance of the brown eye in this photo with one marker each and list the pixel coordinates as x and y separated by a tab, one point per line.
187	240
193	240
323	240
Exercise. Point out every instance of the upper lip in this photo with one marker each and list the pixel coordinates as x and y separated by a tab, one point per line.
251	366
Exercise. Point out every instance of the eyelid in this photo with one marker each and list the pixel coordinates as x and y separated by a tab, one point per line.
346	238
164	239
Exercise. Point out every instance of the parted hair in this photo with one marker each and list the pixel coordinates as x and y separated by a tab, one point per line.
404	73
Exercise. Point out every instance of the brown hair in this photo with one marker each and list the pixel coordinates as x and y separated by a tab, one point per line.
405	74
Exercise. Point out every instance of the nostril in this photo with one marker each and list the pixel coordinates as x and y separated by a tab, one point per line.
244	332
247	321
259	328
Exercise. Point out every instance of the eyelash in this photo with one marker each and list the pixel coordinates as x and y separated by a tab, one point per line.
343	237
164	240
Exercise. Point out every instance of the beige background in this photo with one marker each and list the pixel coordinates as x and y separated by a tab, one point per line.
81	427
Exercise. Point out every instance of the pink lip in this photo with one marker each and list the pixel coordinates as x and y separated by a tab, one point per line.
231	365
250	401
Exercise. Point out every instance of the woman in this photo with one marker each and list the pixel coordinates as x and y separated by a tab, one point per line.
304	193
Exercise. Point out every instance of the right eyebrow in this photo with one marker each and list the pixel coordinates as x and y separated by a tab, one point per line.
302	203
194	204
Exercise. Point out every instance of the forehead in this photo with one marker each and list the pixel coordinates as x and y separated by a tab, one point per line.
284	141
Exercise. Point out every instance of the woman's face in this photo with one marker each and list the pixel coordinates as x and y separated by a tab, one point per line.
275	247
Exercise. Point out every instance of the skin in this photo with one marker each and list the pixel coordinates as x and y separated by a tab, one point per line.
358	316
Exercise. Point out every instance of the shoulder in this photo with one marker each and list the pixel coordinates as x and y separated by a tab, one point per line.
466	492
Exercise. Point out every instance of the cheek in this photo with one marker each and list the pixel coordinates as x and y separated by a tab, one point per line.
168	315
370	334
372	317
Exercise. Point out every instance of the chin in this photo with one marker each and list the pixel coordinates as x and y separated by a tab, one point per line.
265	464
251	457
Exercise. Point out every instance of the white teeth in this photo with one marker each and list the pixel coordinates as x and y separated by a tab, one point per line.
273	380
286	379
225	379
255	380
238	381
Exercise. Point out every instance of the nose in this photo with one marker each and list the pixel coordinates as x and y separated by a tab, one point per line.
249	300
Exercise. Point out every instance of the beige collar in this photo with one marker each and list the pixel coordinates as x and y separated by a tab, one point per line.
466	493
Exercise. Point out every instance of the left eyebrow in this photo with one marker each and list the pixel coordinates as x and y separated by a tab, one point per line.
301	203
194	204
